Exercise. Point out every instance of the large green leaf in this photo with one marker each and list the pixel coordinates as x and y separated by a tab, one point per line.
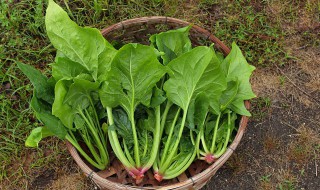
42	86
194	73
83	45
173	43
236	68
134	72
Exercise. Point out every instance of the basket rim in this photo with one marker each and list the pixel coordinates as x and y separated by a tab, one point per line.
198	178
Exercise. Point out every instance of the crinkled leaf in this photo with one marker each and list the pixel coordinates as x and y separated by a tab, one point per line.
185	144
145	145
147	124
173	43
134	72
79	122
43	89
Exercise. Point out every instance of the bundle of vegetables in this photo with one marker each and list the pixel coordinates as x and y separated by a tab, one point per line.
161	105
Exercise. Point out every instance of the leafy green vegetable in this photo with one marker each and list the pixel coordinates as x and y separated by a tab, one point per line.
191	76
161	105
67	103
237	73
134	72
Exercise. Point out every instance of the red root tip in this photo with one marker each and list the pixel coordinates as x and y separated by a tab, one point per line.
158	177
139	178
210	158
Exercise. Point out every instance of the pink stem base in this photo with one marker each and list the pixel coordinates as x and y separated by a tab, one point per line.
209	158
158	176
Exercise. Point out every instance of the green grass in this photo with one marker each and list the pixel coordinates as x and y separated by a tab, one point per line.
23	38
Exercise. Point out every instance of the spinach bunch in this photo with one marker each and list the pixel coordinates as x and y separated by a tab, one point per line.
68	103
161	105
201	88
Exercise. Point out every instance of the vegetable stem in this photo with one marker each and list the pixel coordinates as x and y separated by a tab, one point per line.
156	141
135	139
168	143
217	155
181	168
90	125
85	155
174	149
114	142
164	116
215	134
126	151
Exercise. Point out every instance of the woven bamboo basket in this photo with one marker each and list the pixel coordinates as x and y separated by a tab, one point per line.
115	177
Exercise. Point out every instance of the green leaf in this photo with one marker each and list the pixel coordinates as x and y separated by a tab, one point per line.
65	69
220	56
134	72
201	109
229	94
157	98
79	93
43	112
147	124
59	108
40	82
83	45
122	125
239	107
105	60
37	135
237	68
173	43
193	73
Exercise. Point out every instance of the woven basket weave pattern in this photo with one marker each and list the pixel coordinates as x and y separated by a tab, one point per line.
199	173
